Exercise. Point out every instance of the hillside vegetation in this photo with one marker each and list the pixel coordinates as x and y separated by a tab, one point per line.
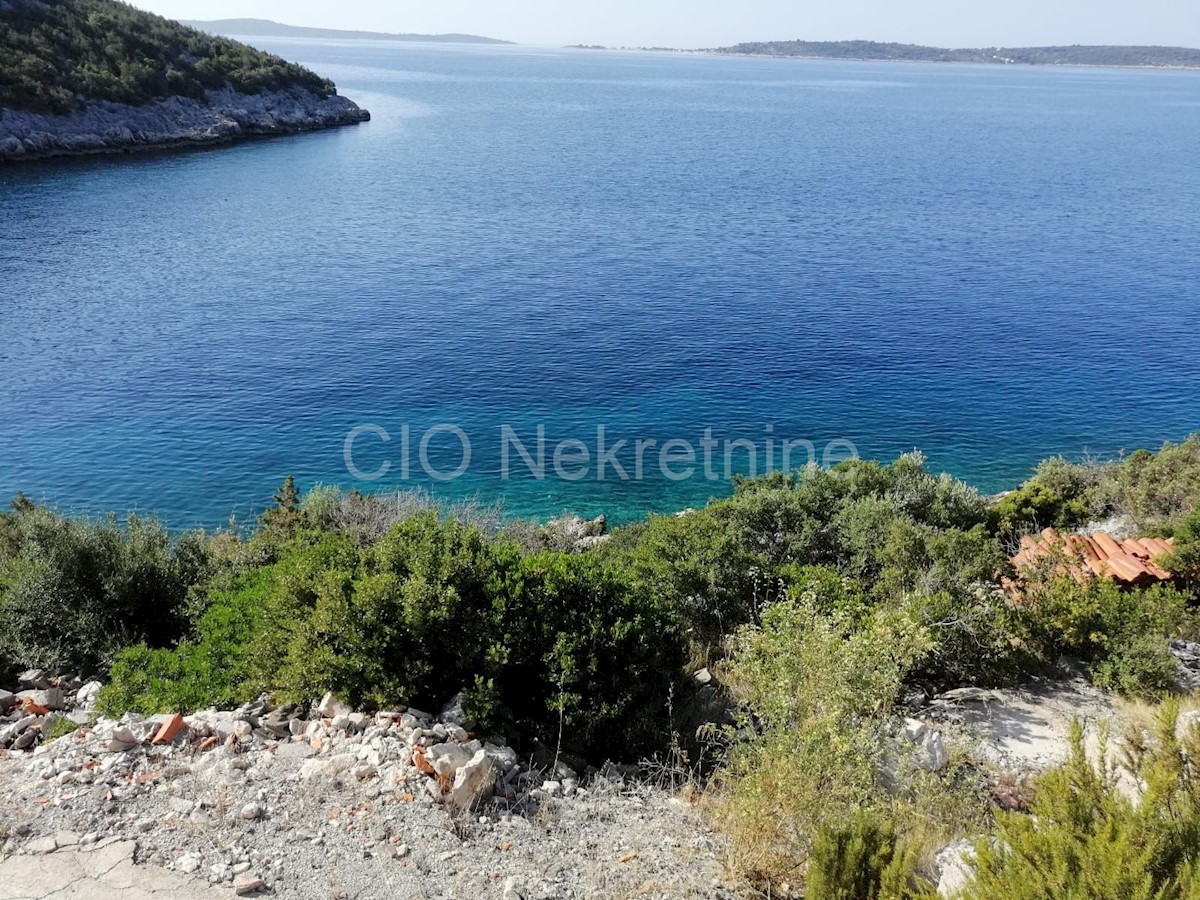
1038	56
822	599
58	56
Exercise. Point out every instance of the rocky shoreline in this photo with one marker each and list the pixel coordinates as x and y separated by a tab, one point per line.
224	116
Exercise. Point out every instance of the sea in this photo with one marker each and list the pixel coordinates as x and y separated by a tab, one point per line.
606	282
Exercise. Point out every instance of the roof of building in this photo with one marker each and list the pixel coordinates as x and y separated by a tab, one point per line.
1131	561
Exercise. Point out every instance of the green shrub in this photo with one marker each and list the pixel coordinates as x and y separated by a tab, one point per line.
1141	665
1120	634
1059	495
1155	490
579	639
1184	563
1084	839
61	726
895	530
696	564
212	669
862	859
432	608
978	637
75	591
816	690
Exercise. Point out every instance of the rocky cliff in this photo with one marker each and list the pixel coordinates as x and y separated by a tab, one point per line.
174	122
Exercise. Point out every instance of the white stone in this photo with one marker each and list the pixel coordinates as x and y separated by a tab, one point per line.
447	759
252	811
331	706
473	781
123	738
954	868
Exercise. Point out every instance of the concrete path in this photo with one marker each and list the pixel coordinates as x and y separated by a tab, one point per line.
102	872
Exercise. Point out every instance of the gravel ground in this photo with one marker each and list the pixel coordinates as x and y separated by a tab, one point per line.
345	806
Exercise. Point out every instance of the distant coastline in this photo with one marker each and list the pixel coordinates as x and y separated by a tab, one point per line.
222	117
1125	57
268	28
115	79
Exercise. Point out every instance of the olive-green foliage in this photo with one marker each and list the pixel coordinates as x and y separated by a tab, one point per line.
1156	490
211	668
61	726
863	859
433	607
1057	496
713	580
817	689
1185	561
896	535
1086	840
1121	634
75	591
52	53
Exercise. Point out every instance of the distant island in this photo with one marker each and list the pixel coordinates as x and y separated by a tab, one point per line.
1159	57
267	28
98	76
1077	55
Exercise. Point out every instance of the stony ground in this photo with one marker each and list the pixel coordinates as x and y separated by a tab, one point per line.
334	804
325	803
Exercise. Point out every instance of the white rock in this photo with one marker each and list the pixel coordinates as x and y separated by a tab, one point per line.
123	738
928	748
252	811
504	757
331	706
188	863
51	698
447	759
473	781
87	694
954	868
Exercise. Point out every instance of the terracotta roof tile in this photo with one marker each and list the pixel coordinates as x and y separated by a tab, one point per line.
1130	561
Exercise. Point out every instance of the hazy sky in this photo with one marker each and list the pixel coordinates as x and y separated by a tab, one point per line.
708	23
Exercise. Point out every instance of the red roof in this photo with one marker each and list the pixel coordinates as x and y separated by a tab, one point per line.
1130	561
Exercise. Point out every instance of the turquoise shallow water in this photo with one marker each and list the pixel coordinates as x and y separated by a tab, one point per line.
991	264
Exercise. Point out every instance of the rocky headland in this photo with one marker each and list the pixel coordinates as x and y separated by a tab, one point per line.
224	116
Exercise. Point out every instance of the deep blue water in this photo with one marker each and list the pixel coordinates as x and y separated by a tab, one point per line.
991	264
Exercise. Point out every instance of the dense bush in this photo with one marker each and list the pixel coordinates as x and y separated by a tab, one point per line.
433	607
1185	561
863	859
75	591
1152	492
1086	840
212	668
816	689
1121	635
894	535
54	53
1155	490
1057	496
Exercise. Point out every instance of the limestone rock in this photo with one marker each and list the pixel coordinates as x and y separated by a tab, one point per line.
447	759
221	116
929	750
953	865
248	883
50	698
331	707
474	781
